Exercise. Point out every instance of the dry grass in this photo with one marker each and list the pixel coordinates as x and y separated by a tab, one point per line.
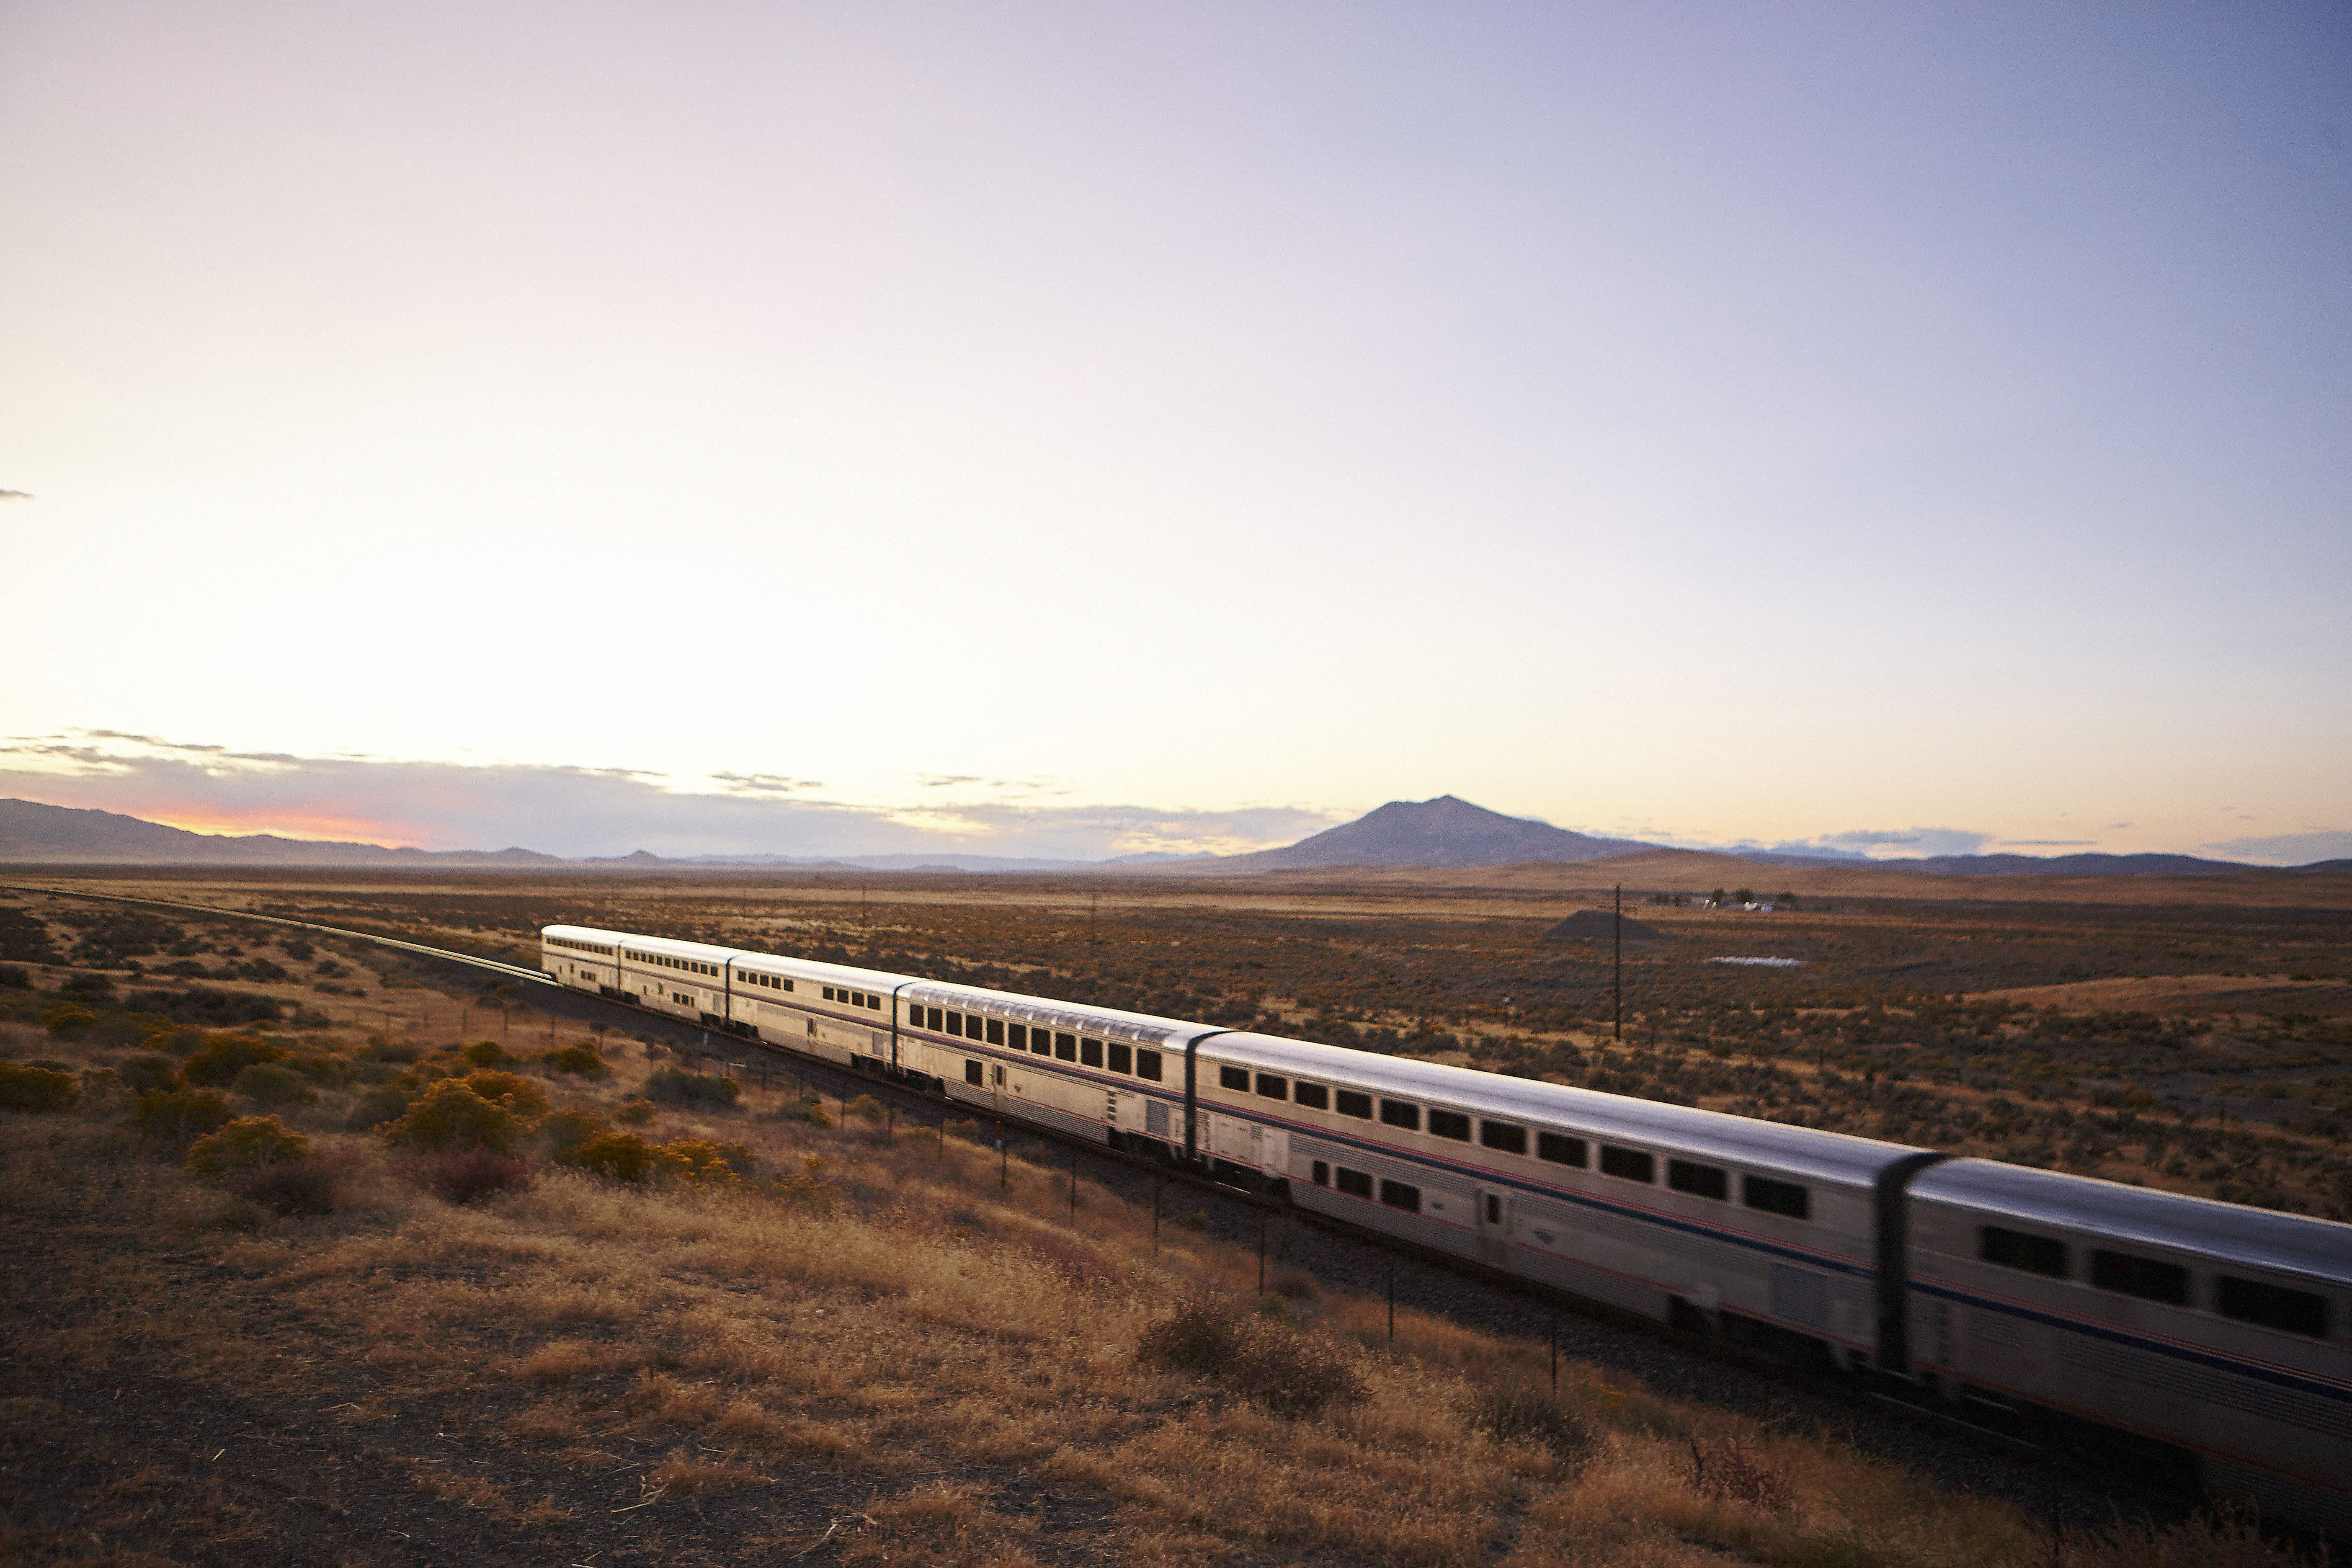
890	1312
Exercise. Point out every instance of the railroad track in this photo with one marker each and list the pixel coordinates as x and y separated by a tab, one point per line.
2049	1479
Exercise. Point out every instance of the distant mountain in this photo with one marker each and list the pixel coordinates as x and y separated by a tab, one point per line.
2066	865
1444	832
32	833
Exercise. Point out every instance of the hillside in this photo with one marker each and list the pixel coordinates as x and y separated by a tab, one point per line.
811	1332
34	834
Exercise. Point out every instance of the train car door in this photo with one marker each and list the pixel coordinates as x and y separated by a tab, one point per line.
1494	1225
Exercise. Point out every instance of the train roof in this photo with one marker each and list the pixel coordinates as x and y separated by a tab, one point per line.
1077	1018
667	946
1834	1157
814	969
2262	1238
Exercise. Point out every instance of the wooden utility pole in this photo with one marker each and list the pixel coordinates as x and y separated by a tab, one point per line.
1617	961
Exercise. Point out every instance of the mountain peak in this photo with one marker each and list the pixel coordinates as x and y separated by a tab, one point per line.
1444	831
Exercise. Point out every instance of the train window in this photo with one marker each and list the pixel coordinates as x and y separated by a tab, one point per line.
971	1073
783	984
828	993
1628	1164
1233	1078
2016	1249
1699	1181
1776	1197
1272	1087
1560	1149
1509	1137
2146	1277
996	1031
1355	1183
1146	1064
1090	1053
2271	1306
1450	1124
1398	1195
1354	1104
1017	1035
1322	1174
1313	1096
1066	1047
1122	1057
1401	1113
1494	1209
936	1025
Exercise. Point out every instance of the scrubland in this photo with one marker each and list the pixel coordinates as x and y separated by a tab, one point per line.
378	1299
2204	1048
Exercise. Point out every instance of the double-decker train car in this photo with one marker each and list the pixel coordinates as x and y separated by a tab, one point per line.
2223	1332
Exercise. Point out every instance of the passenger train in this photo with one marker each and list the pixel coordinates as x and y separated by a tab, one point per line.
2221	1331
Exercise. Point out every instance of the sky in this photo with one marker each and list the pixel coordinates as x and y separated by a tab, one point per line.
1089	429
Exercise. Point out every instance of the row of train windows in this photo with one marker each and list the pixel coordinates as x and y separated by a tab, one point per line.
855	998
2153	1280
1762	1193
581	946
1355	1183
1110	1056
772	982
690	965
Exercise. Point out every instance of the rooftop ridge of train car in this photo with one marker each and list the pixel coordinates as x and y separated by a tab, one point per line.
2148	1217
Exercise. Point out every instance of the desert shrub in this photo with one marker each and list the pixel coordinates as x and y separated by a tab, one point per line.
143	1073
67	1020
620	1156
380	1106
577	1059
705	1090
566	1130
487	1054
179	1039
247	1144
465	1175
700	1160
450	1115
87	987
807	1107
1522	1413
1256	1356
308	1185
205	1005
968	1130
271	1084
26	1088
226	1056
866	1106
16	977
518	1094
383	1049
635	1111
178	1115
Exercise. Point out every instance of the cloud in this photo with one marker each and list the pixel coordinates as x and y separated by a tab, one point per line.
15	495
2287	848
1884	844
2048	843
578	811
766	784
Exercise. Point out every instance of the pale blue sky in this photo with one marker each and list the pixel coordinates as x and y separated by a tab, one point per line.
1718	423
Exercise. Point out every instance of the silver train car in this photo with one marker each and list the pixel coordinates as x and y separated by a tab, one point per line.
2218	1331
